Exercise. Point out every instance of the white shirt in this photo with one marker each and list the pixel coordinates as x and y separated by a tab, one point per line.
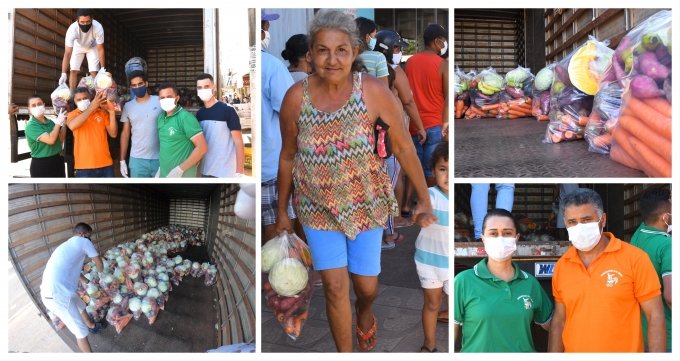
76	38
62	271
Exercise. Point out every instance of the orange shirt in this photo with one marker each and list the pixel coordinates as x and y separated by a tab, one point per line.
425	79
603	302
91	142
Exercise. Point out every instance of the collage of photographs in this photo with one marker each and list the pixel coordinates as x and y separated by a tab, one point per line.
310	207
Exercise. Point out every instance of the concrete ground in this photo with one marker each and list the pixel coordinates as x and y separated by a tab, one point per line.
397	308
487	148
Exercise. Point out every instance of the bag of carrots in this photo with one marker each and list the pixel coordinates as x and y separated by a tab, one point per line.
642	137
540	101
576	80
286	281
485	93
516	97
604	117
461	85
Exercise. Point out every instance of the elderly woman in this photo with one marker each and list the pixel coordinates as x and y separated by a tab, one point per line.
342	193
496	302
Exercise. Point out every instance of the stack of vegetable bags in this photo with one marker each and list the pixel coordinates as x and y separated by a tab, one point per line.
137	276
642	138
516	99
460	86
485	91
286	281
540	105
104	82
576	80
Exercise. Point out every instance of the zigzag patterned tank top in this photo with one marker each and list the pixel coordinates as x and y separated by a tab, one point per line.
340	184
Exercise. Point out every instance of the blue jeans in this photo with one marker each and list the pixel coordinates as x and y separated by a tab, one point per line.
143	168
105	172
479	202
424	151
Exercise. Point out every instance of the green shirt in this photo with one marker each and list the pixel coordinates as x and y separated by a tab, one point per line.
496	316
657	244
34	129
175	133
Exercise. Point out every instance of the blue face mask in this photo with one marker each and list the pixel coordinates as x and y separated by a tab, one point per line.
139	92
371	44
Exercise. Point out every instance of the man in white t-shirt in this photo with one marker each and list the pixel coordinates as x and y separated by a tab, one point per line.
60	283
85	37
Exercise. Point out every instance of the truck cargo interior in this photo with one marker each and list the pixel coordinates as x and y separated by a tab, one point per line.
541	243
177	45
497	134
197	317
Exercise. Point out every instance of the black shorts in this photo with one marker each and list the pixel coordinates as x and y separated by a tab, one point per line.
49	167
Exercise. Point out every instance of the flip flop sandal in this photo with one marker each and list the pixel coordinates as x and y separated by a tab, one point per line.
425	349
363	339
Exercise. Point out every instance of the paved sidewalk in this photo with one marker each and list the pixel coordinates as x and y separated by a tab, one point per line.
397	308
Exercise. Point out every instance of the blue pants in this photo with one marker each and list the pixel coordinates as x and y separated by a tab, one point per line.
424	151
104	172
143	168
479	202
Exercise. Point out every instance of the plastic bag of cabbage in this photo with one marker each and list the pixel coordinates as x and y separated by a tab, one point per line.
138	275
287	264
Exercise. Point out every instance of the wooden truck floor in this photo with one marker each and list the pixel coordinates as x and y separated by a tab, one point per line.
513	148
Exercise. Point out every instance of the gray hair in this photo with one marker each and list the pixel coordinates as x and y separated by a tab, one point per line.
337	20
583	196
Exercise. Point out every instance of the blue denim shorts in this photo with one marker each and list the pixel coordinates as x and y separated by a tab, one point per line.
424	151
332	249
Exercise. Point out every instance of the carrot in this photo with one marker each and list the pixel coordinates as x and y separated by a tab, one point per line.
569	134
655	120
617	154
659	144
583	121
542	118
289	326
490	106
556	137
297	327
568	120
623	139
660	104
516	113
659	166
602	141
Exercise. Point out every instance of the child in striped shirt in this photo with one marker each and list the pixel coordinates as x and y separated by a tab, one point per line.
432	248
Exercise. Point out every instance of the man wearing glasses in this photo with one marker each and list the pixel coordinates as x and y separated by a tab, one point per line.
139	118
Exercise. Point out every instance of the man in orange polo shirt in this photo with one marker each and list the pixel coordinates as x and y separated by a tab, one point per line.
601	285
90	123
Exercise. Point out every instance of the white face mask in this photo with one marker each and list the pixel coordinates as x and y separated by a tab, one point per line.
83	105
500	248
443	50
168	104
205	94
670	226
396	58
585	236
38	111
265	41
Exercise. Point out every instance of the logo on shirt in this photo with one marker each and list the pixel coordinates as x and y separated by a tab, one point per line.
172	131
526	299
613	277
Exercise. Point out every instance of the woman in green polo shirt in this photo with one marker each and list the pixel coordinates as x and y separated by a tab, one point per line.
44	138
496	302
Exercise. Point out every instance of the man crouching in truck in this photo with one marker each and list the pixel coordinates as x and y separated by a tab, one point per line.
601	285
60	282
85	37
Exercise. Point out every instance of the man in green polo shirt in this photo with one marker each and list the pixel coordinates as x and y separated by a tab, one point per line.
182	144
653	237
44	138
